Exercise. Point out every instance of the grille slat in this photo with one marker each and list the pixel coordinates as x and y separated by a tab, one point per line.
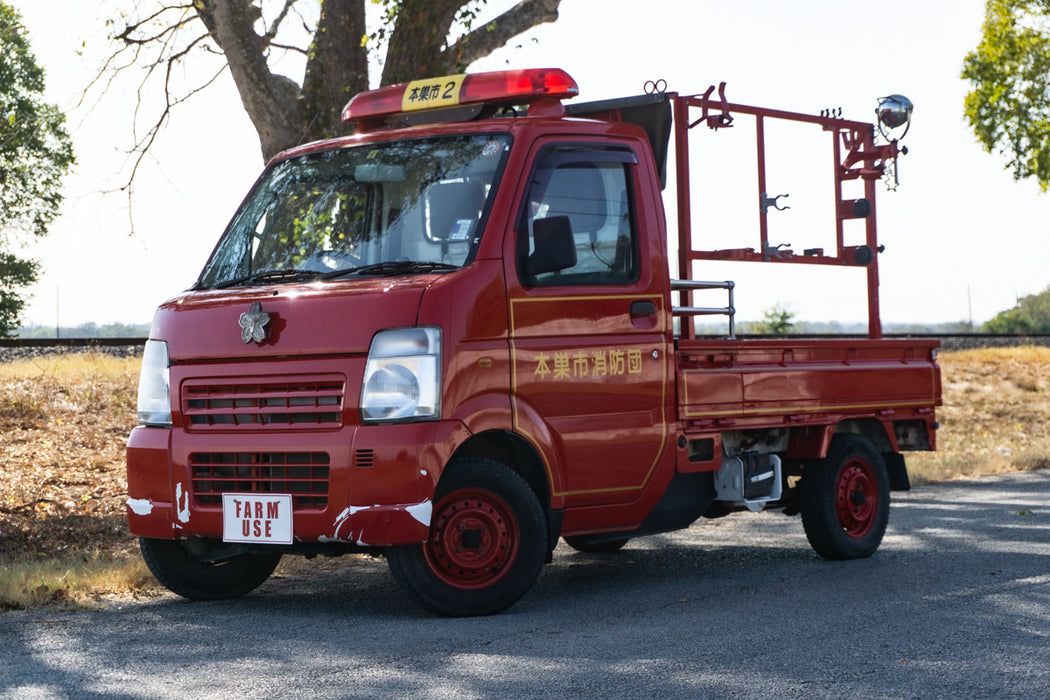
253	404
302	474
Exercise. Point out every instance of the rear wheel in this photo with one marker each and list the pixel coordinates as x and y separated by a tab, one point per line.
590	544
488	541
845	499
196	570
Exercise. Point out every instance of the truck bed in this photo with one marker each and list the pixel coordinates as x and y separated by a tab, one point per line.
767	383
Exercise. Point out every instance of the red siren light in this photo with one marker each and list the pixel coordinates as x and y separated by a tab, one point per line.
497	87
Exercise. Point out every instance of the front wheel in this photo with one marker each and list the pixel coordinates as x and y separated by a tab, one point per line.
189	569
845	499
488	541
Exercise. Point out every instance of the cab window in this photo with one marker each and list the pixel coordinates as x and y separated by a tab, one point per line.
577	224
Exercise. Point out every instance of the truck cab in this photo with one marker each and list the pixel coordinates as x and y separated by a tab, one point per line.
451	339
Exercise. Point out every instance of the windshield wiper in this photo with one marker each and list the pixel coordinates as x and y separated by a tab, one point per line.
270	277
392	267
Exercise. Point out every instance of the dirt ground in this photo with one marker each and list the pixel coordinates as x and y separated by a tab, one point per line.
64	423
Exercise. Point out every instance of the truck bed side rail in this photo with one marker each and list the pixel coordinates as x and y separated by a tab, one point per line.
693	285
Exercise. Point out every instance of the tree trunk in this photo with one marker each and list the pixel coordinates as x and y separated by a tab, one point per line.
336	68
416	44
286	115
271	101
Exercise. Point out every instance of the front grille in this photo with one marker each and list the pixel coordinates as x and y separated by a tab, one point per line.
302	474
263	404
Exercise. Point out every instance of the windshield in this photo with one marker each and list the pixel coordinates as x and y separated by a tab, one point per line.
397	208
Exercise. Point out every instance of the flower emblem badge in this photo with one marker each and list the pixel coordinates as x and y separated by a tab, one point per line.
253	323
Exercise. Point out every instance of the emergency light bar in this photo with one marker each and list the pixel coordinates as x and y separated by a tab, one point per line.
497	87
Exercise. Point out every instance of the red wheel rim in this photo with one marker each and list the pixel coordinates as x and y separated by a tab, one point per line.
473	539
857	498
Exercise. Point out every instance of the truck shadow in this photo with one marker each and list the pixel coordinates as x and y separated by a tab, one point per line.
725	608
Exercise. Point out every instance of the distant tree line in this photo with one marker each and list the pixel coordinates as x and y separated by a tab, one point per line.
86	330
794	327
1031	316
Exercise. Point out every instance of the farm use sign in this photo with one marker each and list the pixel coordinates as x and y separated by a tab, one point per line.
253	517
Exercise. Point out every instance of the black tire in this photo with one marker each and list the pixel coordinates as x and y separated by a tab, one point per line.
488	542
589	544
845	499
184	573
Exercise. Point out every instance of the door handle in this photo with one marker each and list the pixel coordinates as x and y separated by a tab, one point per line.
642	308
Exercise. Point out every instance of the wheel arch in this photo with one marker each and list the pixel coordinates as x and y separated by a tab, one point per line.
873	430
813	442
514	452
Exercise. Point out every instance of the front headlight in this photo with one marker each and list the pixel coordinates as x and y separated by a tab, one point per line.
403	376
154	399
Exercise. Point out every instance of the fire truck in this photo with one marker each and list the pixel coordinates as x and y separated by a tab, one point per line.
454	337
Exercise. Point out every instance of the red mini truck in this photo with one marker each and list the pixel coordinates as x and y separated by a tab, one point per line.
453	338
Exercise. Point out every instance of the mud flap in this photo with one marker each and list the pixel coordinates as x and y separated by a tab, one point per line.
897	471
687	497
554	521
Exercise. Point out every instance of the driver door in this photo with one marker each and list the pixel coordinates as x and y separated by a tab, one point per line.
588	338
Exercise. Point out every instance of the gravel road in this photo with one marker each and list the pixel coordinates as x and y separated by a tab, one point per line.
956	603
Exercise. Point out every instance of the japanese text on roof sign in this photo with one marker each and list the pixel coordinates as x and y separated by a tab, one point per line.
431	93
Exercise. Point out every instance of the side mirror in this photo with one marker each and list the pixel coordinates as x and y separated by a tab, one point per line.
555	247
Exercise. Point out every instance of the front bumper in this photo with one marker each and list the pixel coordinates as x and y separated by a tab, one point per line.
365	485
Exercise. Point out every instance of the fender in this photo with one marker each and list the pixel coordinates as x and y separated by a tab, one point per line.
813	441
530	425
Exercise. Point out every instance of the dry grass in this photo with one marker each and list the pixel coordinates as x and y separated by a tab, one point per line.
995	418
64	422
73	582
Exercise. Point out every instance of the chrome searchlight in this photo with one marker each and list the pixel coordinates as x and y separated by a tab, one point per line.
894	112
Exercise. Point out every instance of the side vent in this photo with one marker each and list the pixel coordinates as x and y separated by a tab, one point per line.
364	459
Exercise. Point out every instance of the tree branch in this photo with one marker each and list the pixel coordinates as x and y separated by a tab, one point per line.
275	26
482	41
135	26
127	35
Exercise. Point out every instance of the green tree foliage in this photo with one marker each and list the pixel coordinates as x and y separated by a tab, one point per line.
1009	103
15	275
35	153
777	320
1031	316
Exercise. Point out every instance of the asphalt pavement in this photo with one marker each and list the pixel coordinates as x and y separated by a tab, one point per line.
956	603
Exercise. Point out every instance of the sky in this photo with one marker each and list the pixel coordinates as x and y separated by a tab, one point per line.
963	239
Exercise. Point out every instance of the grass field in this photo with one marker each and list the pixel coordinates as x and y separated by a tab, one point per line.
995	418
64	422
